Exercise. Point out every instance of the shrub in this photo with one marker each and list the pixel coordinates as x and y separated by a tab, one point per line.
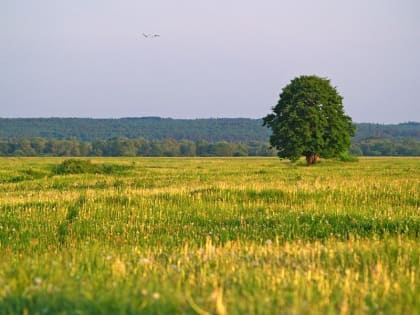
76	166
347	157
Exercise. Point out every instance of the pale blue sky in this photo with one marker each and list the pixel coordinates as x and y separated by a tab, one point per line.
220	58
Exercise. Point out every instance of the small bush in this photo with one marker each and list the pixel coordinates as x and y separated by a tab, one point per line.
76	166
114	168
33	174
347	157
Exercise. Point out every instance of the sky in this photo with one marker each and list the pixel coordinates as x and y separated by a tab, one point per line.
213	59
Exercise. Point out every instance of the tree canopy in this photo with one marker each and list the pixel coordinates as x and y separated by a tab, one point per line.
309	120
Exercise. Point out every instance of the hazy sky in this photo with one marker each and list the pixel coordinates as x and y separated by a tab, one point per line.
220	58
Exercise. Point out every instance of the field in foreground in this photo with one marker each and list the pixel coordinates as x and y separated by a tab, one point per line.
210	236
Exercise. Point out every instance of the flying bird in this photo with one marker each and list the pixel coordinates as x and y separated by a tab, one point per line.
151	35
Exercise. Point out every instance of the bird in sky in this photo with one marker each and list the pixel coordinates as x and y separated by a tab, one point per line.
151	35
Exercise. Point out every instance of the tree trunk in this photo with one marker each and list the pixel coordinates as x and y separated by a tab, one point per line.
311	158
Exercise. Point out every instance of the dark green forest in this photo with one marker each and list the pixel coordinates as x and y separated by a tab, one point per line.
154	136
148	128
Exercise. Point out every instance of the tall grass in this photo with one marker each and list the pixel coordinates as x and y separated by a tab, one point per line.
211	236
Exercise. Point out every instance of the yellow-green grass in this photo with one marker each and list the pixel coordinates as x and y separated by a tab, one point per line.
211	236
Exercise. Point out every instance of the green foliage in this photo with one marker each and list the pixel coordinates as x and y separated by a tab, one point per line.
77	166
309	120
347	157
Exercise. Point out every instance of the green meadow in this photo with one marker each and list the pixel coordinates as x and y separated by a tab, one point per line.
209	236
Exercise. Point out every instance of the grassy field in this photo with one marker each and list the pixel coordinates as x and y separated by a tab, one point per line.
210	236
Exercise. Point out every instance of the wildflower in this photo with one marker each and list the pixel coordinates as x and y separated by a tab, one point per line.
118	268
144	261
38	281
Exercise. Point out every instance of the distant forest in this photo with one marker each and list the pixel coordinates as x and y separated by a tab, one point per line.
148	128
154	136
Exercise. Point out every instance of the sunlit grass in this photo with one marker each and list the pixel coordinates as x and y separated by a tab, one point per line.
211	236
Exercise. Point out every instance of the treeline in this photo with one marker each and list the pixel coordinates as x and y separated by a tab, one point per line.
170	147
130	147
149	128
154	128
154	136
386	147
409	130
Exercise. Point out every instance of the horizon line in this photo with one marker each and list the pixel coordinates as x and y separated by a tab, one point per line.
198	118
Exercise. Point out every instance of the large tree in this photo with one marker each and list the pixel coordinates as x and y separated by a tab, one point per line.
309	120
